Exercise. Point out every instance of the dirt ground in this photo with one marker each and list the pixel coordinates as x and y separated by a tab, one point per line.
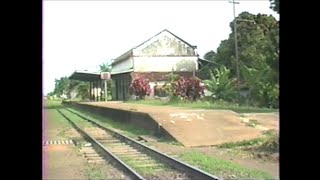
60	161
63	162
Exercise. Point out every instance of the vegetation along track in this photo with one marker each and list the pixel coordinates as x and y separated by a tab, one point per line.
135	159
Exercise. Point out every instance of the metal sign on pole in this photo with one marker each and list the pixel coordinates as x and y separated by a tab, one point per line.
105	76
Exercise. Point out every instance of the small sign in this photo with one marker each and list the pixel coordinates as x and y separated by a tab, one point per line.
105	75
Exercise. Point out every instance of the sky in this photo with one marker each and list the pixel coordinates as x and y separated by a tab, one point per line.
81	35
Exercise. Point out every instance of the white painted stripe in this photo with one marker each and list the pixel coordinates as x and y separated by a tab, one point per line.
58	142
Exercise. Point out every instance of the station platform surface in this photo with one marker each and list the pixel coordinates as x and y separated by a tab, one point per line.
202	127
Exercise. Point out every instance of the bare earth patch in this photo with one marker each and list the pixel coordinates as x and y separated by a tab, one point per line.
63	162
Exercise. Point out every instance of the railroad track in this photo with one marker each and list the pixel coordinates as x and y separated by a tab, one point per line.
136	160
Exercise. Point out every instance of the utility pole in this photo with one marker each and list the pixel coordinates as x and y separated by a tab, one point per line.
236	47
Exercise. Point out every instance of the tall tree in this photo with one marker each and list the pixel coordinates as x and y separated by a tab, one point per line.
61	85
209	55
207	65
275	5
258	47
258	41
65	86
83	90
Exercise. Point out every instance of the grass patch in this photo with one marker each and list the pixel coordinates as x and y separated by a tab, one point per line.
127	129
55	120
206	105
270	144
222	168
267	143
76	119
93	172
257	141
52	104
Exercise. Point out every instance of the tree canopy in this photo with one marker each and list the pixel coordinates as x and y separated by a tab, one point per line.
258	47
275	5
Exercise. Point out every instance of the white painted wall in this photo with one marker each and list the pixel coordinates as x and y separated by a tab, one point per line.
123	65
163	64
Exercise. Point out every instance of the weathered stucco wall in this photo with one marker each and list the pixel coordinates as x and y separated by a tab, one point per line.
165	64
123	65
165	44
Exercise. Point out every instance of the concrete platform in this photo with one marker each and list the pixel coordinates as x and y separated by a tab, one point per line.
193	127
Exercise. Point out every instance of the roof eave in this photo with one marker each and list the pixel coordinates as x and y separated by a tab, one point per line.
124	56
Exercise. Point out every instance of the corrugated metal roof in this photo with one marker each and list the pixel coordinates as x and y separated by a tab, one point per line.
85	76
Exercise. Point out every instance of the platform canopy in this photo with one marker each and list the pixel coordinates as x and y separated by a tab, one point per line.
85	76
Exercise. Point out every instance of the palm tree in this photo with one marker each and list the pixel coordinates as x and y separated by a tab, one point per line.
105	67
